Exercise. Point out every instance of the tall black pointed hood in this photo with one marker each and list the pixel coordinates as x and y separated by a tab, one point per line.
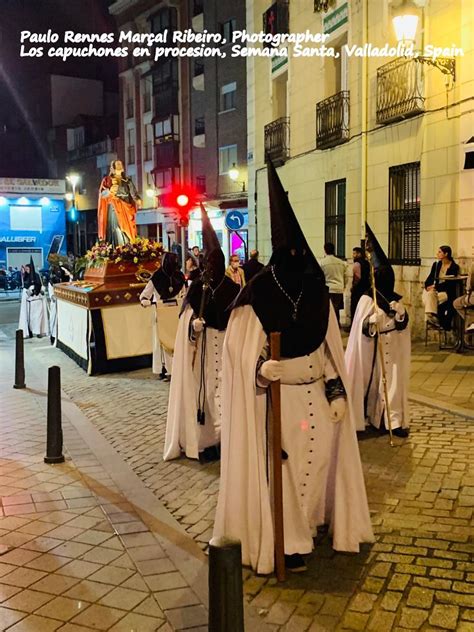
383	271
286	231
214	260
219	290
291	279
34	278
168	280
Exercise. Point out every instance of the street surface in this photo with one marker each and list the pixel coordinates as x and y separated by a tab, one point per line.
419	575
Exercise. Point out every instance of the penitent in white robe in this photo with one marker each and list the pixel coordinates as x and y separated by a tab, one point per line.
165	323
322	478
33	315
191	361
365	373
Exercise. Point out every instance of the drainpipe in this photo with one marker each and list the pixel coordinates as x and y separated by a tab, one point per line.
364	109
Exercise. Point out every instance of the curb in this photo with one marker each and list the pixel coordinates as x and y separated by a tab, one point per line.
448	408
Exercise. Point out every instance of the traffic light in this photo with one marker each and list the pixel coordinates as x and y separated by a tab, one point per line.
181	199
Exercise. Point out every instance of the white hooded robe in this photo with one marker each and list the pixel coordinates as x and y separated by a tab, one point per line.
322	478
361	363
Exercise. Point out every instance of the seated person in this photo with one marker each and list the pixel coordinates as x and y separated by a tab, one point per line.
438	295
466	301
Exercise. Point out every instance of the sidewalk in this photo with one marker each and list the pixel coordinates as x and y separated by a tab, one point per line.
78	555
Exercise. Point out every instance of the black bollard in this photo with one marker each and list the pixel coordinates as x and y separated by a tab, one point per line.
19	361
54	440
226	608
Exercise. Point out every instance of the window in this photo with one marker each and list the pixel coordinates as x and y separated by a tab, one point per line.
131	147
198	7
227	28
148	145
199	126
78	137
228	92
147	96
227	157
201	184
167	129
335	215
164	19
404	214
198	68
165	177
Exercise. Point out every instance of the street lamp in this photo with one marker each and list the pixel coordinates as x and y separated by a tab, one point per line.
405	23
234	174
73	179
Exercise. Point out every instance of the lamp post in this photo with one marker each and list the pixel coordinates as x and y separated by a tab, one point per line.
405	23
234	175
73	179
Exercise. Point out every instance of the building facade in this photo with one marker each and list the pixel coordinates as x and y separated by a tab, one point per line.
366	138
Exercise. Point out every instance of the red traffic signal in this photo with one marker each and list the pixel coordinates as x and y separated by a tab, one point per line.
181	199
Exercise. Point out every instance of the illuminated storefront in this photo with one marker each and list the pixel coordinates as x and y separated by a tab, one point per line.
32	221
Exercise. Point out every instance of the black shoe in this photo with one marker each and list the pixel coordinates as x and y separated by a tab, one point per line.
208	455
403	433
295	563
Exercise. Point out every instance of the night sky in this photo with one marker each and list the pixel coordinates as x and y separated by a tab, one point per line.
25	112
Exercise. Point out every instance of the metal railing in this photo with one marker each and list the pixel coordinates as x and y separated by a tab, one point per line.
400	90
332	120
96	149
277	140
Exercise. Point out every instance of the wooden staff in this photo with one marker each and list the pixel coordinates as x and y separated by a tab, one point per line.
379	345
277	465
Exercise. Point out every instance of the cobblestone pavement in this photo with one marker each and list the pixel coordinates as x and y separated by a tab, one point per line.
75	556
419	574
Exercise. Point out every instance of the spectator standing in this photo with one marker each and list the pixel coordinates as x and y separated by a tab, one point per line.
253	266
235	272
360	278
335	273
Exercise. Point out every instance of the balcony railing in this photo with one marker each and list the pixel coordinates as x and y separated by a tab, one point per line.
107	146
332	120
400	90
167	154
148	150
129	108
277	140
131	155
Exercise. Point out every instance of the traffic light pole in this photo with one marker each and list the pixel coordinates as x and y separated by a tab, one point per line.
183	248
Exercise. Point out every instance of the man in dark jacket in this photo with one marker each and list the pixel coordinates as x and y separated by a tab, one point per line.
253	266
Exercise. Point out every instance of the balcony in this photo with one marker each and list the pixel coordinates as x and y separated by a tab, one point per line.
129	108
148	150
107	146
332	120
166	99
167	154
400	90
277	140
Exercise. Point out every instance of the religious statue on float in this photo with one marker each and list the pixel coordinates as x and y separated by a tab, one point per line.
117	208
